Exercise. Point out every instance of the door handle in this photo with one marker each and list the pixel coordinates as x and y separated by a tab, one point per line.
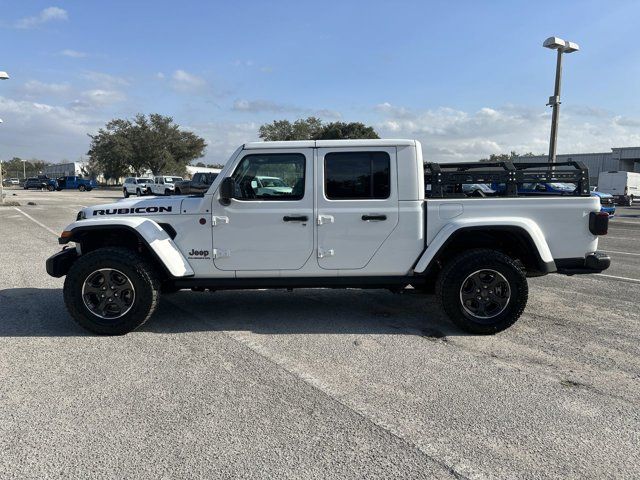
374	218
301	218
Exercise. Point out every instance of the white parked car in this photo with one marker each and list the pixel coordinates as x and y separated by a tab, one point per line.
135	186
163	185
358	216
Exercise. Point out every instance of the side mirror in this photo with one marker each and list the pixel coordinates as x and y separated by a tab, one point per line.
227	189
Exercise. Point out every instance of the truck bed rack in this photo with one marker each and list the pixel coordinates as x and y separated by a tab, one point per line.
445	180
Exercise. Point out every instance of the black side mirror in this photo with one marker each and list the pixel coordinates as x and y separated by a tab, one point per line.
227	188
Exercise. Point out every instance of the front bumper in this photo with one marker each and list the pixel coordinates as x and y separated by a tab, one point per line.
59	264
593	263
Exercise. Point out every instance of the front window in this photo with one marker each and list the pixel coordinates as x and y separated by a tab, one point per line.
272	176
144	180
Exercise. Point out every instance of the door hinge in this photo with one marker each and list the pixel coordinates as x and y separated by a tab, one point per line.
219	221
322	253
219	253
322	219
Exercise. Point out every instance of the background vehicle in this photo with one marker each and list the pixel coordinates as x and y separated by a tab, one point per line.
40	182
624	186
76	183
14	181
163	185
199	183
607	203
358	216
136	186
478	190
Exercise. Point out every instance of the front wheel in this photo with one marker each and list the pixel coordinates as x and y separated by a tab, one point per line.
82	188
111	291
482	291
138	192
125	192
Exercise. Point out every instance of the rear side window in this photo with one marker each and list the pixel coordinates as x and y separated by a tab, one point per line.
357	175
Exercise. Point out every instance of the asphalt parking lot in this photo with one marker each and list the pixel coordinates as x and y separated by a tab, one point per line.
316	383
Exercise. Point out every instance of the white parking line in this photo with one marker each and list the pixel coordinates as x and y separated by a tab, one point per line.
624	279
621	253
36	221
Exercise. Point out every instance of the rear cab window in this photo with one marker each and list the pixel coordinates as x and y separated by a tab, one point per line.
357	175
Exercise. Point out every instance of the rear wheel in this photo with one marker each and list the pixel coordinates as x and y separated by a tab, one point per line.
50	188
482	291
82	188
111	291
138	192
167	192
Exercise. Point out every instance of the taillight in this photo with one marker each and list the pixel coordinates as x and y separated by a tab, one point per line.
599	223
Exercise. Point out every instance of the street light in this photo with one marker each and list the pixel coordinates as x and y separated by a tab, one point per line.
3	76
562	46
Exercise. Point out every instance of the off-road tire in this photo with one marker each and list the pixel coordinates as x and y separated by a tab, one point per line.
167	192
125	192
138	192
450	282
142	276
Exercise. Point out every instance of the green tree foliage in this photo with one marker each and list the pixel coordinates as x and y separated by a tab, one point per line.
506	157
14	168
313	128
153	143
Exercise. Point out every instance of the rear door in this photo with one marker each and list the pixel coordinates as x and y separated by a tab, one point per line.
267	230
357	204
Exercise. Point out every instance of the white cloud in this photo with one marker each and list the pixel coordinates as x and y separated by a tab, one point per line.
49	14
35	88
455	135
100	98
33	129
105	80
243	105
184	81
72	53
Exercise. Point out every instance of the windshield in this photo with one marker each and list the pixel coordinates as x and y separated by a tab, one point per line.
144	180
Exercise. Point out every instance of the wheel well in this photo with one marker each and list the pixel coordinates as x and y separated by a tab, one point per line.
514	242
123	237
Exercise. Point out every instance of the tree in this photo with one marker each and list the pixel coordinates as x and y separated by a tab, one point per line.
506	157
312	128
153	143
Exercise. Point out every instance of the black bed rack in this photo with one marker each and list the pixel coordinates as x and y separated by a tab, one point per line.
446	179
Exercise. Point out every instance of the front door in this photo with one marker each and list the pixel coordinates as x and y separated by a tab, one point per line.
269	223
357	204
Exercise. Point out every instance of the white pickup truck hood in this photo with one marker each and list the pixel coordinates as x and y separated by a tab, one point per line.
136	207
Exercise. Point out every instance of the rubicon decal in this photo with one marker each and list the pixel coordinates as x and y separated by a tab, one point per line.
129	211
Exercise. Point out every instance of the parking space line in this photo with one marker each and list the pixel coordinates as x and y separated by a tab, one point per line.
624	279
36	221
621	253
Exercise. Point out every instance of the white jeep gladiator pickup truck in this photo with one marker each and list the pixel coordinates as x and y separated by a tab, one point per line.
354	214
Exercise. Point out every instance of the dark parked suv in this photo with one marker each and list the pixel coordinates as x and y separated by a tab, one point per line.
40	182
199	184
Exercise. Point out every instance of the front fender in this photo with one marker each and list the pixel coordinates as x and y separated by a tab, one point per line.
148	231
528	226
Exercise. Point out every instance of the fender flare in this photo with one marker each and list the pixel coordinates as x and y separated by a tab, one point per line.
523	225
157	239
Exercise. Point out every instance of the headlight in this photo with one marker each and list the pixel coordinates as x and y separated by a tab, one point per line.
81	215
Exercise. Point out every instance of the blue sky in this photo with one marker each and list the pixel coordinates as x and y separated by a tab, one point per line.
466	78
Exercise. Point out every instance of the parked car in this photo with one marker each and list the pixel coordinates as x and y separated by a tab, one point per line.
136	186
14	181
163	185
359	219
41	182
607	202
74	182
478	190
199	183
624	186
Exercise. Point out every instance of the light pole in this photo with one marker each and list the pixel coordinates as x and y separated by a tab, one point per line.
562	46
3	76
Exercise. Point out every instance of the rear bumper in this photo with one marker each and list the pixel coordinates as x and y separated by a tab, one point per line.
592	263
59	264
